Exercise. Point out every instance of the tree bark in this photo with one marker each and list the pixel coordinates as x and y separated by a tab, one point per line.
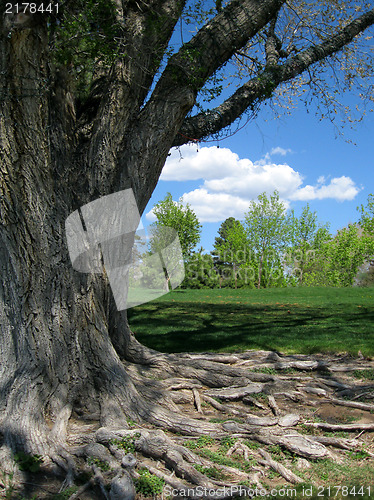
54	328
260	270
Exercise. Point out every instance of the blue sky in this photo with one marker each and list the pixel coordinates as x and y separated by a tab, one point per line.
297	154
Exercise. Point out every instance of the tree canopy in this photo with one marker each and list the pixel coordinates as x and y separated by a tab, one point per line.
182	219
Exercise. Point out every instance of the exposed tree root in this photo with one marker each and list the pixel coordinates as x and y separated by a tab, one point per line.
283	471
157	419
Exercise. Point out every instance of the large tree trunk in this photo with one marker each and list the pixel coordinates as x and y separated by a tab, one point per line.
64	346
56	349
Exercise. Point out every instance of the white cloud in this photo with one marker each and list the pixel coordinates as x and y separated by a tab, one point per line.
340	189
214	207
150	216
223	170
256	179
230	183
209	163
280	151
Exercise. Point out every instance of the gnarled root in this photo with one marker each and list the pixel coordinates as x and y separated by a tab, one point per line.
208	422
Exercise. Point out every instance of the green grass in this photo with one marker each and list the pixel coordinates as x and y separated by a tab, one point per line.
291	320
364	374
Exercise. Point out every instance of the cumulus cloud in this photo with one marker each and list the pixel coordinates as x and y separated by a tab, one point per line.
150	216
223	170
339	188
214	207
187	164
229	183
256	179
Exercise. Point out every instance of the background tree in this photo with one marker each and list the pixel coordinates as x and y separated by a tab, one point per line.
365	275
200	271
181	218
268	230
366	220
230	249
307	237
338	260
91	105
237	245
221	239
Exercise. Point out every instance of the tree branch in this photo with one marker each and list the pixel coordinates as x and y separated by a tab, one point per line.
261	87
115	102
271	45
144	39
219	40
176	91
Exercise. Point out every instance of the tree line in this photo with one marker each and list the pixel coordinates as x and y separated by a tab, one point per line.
272	247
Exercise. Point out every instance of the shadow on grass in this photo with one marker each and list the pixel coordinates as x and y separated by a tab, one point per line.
192	326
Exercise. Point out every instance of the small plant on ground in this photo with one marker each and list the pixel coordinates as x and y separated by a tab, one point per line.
248	484
340	434
29	463
272	474
367	374
317	419
220	458
359	455
7	484
202	442
260	395
131	423
127	443
221	420
65	494
270	371
104	466
305	429
252	445
219	400
275	450
211	472
148	484
329	472
351	418
279	453
226	442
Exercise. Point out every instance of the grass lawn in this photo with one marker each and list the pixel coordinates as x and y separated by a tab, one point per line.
290	320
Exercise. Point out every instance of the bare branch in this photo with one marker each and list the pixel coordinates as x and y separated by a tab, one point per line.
258	89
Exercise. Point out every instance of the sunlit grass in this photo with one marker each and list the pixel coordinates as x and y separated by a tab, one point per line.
303	320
